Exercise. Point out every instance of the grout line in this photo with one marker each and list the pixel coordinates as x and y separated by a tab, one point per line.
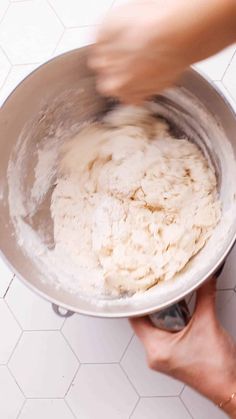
21	409
230	61
100	363
18	385
63	324
133	410
182	390
56	14
58	42
91	25
68	343
132	338
136	391
4	14
13	351
226	92
9	62
26	330
68	405
45	398
186	407
126	348
5	53
38	63
4	296
223	290
161	397
13	314
72	382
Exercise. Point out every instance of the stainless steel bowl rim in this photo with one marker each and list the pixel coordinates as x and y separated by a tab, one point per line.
134	312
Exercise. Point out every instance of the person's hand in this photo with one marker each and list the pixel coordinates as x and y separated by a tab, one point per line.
144	46
203	355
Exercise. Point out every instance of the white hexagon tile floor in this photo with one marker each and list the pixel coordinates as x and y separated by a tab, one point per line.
84	368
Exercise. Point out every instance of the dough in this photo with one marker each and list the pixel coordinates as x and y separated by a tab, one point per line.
132	203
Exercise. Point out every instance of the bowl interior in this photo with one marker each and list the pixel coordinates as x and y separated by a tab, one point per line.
46	109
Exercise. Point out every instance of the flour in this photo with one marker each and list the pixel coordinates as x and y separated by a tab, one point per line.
132	203
36	167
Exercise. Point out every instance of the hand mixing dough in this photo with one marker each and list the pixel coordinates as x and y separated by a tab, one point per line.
132	203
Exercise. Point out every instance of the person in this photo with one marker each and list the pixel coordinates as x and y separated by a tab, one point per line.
142	48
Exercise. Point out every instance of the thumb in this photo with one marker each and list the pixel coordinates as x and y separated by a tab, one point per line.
206	296
145	330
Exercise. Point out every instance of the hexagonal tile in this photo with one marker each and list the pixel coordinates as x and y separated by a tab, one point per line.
227	279
109	336
146	381
79	12
226	309
75	38
5	277
4	67
48	409
29	31
32	312
199	407
3	8
161	408
215	66
43	364
9	332
16	75
11	398
101	391
229	79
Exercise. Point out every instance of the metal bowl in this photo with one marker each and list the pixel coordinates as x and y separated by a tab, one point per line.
62	93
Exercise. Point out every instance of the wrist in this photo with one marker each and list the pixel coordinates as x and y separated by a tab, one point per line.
225	397
229	406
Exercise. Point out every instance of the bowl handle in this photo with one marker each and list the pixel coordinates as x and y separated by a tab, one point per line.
173	318
62	312
176	317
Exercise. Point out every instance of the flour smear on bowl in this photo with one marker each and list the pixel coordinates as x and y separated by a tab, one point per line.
119	207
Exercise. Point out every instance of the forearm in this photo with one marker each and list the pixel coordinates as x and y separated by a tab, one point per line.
143	47
198	28
217	27
217	378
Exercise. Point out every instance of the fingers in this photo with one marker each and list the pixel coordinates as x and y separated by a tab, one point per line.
158	344
145	330
142	327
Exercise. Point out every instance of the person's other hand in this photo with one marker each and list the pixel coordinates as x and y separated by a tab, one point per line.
203	355
144	46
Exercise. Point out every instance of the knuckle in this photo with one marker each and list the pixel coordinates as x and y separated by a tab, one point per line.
160	359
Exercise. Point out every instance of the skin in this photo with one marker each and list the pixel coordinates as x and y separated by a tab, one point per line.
203	355
142	48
